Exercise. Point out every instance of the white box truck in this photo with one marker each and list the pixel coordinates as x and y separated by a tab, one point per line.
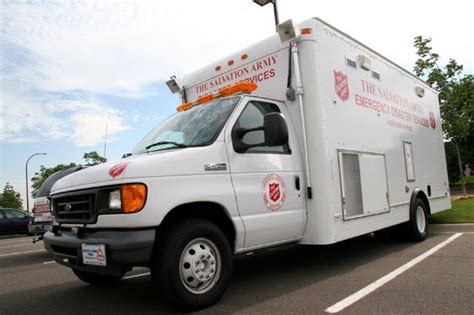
305	138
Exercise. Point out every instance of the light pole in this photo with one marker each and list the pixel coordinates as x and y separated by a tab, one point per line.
275	8
26	172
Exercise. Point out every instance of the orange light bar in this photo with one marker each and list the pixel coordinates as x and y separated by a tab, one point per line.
133	197
205	99
185	106
306	31
246	87
240	87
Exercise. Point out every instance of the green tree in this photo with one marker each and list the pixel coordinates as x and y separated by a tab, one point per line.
456	97
45	172
93	158
10	198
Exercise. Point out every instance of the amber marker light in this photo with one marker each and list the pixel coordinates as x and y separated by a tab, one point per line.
133	197
205	99
306	31
185	106
245	87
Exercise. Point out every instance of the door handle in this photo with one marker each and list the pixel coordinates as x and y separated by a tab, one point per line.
297	183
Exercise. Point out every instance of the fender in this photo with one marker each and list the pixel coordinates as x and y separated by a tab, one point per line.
419	193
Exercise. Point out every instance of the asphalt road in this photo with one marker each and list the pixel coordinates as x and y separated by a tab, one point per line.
303	280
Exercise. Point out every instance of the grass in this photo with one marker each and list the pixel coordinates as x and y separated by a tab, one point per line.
462	211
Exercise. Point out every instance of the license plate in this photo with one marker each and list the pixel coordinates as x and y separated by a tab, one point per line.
94	254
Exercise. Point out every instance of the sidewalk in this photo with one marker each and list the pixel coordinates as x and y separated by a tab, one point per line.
452	228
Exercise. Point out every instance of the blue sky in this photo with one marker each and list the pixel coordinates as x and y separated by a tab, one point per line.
69	67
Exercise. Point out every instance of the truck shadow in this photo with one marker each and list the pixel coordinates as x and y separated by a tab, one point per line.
256	279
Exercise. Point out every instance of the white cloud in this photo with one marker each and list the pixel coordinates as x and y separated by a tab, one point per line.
89	134
80	121
117	47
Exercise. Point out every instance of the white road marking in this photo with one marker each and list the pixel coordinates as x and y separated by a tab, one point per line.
136	276
49	262
351	299
19	253
449	233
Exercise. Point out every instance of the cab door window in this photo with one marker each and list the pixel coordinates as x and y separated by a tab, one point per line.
252	117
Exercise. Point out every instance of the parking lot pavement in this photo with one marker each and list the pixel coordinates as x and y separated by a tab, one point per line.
304	280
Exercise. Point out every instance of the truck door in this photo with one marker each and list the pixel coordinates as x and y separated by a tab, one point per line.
267	180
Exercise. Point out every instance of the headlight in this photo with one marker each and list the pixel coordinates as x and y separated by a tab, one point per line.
129	198
115	201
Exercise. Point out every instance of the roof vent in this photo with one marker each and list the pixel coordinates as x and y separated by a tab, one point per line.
351	63
375	75
365	62
419	91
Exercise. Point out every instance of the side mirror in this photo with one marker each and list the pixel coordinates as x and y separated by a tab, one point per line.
275	129
275	132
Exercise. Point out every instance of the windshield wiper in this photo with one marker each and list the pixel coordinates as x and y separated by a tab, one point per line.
179	145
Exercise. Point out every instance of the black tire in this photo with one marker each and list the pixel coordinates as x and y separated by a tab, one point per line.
95	278
417	227
170	264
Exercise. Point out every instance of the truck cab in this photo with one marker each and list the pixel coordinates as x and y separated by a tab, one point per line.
231	167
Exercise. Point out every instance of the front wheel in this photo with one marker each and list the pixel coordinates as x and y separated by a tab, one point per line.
95	278
192	263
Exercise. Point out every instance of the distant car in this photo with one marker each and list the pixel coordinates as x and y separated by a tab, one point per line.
42	217
14	221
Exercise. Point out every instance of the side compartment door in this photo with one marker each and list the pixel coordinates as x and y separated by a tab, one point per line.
267	180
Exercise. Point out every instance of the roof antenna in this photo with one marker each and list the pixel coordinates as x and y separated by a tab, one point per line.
105	141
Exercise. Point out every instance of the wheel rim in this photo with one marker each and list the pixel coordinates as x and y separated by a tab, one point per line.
200	266
420	219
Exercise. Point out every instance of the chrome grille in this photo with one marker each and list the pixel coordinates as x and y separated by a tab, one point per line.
75	208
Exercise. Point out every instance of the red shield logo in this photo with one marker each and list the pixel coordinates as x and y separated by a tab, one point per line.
341	85
432	120
274	191
117	170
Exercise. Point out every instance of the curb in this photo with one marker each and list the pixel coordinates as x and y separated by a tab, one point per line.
452	227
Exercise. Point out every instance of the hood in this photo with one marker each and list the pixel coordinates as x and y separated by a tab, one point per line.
176	162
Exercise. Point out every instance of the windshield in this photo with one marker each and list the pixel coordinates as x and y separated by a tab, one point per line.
198	126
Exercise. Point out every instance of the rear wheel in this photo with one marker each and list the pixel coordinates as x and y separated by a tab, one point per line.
95	278
192	263
418	225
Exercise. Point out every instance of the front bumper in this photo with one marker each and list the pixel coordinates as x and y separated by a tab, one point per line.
124	248
38	227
